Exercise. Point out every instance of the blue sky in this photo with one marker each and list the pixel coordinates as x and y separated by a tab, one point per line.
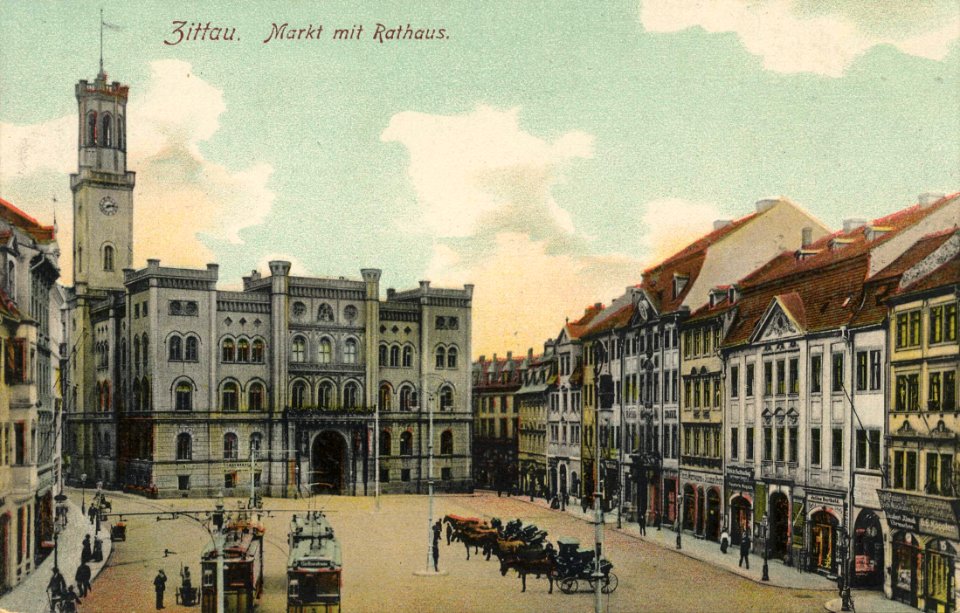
543	151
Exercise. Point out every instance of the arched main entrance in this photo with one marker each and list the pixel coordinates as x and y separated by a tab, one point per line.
328	463
779	524
713	514
689	507
701	501
868	551
740	510
823	534
563	479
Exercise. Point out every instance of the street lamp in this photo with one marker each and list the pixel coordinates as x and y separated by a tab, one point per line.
83	493
428	570
765	529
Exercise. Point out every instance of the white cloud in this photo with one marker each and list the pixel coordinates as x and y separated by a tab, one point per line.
469	169
180	195
670	224
805	36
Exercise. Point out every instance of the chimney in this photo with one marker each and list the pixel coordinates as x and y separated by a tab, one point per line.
494	360
927	198
721	223
765	204
509	356
597	306
482	358
530	353
851	224
424	286
806	236
391	292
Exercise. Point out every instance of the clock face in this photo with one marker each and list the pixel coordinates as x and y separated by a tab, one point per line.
108	206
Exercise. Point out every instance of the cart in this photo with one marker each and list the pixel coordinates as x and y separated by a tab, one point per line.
576	567
118	531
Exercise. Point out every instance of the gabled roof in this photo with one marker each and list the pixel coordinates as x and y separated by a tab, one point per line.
19	219
576	329
617	315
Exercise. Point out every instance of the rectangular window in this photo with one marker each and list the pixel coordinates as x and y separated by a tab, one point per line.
734	381
873	449
815	446
767	379
914	338
229	480
932	486
794	376
946	475
183	482
910	478
384	475
861	371
816	373
696	394
716	392
902	327
781	444
768	443
950	390
933	392
861	449
404	474
950	322
898	470
750	437
749	390
837	370
794	436
936	325
875	369
781	378
734	443
446	473
836	441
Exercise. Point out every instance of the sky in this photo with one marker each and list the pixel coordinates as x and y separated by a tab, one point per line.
546	152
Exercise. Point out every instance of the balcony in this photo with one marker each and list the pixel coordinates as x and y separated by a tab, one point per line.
778	470
314	411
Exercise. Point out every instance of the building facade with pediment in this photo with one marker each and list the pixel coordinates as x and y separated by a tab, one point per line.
293	385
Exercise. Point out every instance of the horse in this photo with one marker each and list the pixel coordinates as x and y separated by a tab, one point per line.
477	537
544	565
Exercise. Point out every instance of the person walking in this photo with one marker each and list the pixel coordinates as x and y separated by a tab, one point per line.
87	554
92	513
70	601
58	585
745	551
82	577
449	532
642	523
159	585
437	530
436	554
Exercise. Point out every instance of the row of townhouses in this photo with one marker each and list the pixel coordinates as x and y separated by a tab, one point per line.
31	334
772	379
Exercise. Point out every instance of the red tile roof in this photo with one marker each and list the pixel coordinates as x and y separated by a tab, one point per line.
28	224
576	329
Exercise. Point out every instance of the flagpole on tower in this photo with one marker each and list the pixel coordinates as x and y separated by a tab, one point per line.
101	41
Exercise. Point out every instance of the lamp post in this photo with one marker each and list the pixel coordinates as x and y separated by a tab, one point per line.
765	529
428	571
83	493
845	599
679	519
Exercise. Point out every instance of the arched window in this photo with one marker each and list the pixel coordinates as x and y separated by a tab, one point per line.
108	257
256	355
91	128
298	395
123	354
136	353
446	398
350	351
383	356
386	397
299	349
230	446
325	395
184	447
228	350
107	400
229	396
192	351
146	352
243	350
395	356
441	357
325	312
183	397
406	443
351	395
256	443
446	443
106	131
136	395
408	398
385	443
408	356
452	357
121	133
325	354
176	349
255	397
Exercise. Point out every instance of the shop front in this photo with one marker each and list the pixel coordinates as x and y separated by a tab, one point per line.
779	517
739	496
868	551
825	519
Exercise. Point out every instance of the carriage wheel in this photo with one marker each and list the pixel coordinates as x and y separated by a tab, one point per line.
568	585
610	583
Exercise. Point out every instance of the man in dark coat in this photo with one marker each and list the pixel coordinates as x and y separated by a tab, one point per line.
449	532
82	577
745	551
92	513
57	585
437	530
87	554
642	523
436	554
159	585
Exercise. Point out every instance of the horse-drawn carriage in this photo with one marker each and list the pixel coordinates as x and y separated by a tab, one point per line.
576	565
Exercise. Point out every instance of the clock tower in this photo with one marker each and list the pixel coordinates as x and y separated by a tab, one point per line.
102	188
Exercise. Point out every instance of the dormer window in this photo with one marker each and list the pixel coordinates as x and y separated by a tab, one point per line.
679	282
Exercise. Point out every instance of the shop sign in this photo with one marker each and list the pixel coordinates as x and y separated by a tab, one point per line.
740	477
940	510
939	528
865	490
902	521
818	500
705	478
